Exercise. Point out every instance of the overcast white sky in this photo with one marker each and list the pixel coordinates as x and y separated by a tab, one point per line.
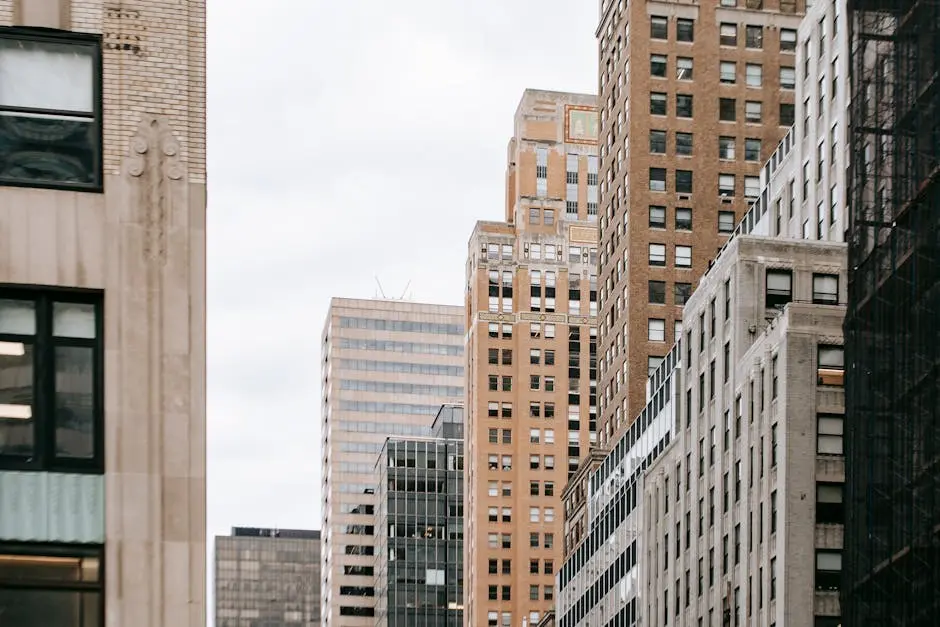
347	139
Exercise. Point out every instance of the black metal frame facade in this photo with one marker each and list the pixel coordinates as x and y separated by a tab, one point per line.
891	562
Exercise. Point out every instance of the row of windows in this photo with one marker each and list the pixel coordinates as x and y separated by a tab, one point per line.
401	347
387	387
683	183
378	407
727	32
404	367
681	293
552	252
683	255
504	462
683	219
401	326
388	428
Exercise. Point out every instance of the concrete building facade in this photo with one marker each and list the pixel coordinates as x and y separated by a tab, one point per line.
419	526
102	313
693	98
387	367
267	577
531	308
742	515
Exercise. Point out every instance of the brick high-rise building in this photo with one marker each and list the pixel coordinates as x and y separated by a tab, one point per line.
694	96
102	313
531	384
387	368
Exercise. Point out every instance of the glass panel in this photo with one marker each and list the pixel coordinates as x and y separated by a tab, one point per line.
17	317
43	75
16	400
51	149
48	607
22	568
74	320
829	561
74	384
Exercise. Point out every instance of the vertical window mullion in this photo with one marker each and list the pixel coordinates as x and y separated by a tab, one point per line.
45	384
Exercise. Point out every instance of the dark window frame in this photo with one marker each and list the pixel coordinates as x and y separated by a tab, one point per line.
66	38
44	343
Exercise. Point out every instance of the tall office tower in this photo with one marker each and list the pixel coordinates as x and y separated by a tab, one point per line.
267	577
102	313
419	526
743	512
892	566
531	385
693	98
387	368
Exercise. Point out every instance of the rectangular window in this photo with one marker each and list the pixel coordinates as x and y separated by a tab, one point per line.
829	503
725	221
684	256
683	68
726	185
685	30
787	77
657	142
658	103
657	254
727	110
831	366
751	186
51	381
684	181
657	217
779	288
726	148
751	149
728	34
727	72
753	74
658	65
683	219
683	143
754	37
657	292
681	293
752	112
656	330
658	179
829	429
52	585
825	289
684	105
53	134
787	40
828	570
659	27
787	114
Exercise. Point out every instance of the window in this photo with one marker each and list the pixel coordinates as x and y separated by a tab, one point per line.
658	103
685	30
658	179
657	254
683	68
652	364
657	217
684	181
657	292
43	427
684	256
829	434
829	503
658	65
681	293
53	115
48	585
754	37
787	40
825	289
657	142
683	105
683	219
728	34
726	184
753	74
727	110
656	328
726	148
752	149
779	288
659	27
727	72
751	186
828	570
787	114
725	221
787	77
683	143
752	112
831	366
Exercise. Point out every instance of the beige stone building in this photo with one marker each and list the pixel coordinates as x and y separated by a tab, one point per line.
531	311
102	313
387	367
694	97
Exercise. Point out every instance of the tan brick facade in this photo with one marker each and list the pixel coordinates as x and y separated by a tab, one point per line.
626	49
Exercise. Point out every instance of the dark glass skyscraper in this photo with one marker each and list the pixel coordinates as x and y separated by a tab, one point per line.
419	527
891	573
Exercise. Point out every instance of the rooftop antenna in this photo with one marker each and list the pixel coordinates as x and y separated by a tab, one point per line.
381	291
405	291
